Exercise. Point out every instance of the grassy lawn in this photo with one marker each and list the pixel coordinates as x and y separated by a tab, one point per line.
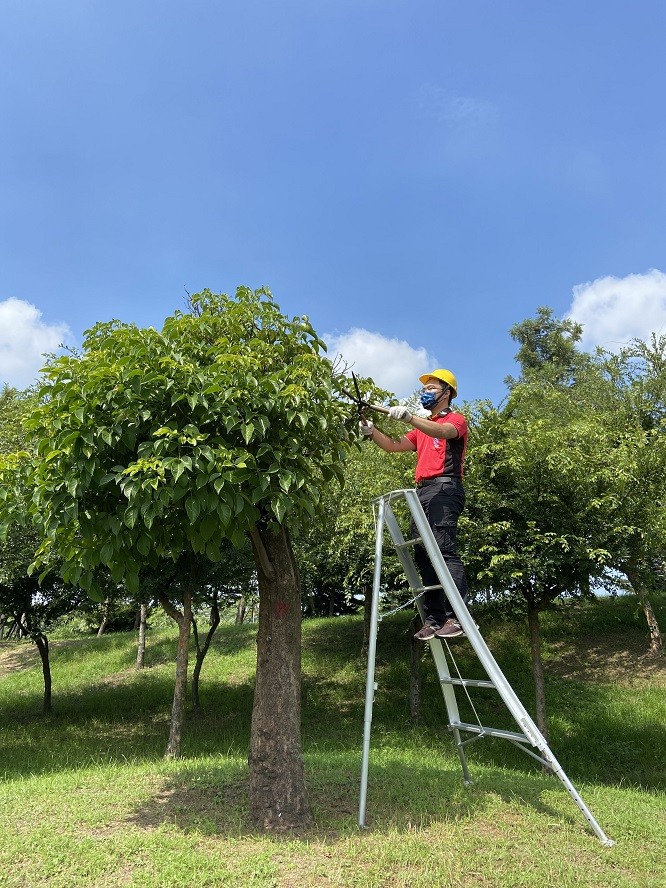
86	798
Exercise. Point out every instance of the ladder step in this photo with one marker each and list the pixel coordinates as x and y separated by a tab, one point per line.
491	732
408	543
469	682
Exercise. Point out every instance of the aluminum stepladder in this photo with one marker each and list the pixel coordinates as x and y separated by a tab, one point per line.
528	735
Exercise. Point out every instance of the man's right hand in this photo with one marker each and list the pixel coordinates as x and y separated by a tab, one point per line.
366	428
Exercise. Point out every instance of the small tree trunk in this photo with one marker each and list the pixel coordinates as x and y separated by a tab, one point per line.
184	621
105	617
311	608
415	673
331	604
537	669
367	614
42	643
240	611
202	651
656	643
278	795
141	647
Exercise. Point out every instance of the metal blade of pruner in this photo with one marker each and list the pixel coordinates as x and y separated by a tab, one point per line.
360	402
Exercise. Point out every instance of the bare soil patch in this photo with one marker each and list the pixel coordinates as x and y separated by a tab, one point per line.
14	655
23	654
611	658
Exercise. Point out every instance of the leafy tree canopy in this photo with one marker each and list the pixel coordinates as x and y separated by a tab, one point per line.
156	443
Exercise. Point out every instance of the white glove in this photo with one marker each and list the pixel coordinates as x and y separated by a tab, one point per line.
400	412
366	428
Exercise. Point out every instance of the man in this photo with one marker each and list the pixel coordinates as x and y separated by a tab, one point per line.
440	442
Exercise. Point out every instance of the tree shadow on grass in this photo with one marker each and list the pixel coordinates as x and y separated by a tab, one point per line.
213	800
119	722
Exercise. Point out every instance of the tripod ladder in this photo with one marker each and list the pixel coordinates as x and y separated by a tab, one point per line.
528	734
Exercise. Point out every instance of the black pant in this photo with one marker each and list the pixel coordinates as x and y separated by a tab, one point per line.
442	503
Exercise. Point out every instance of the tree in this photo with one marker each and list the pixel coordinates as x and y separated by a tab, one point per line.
638	378
220	584
159	445
563	483
32	609
540	490
548	348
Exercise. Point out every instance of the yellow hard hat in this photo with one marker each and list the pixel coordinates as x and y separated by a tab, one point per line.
445	375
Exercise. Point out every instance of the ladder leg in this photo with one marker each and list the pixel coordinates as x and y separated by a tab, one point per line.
467	780
372	649
571	789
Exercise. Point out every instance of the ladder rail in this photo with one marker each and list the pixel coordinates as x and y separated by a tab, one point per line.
372	651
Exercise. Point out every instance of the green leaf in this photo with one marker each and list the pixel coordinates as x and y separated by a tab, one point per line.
208	527
95	593
280	507
224	511
130	517
285	479
106	552
192	507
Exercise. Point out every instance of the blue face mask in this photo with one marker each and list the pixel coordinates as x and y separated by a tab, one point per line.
429	399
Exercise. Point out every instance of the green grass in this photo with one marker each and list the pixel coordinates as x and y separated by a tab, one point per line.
86	798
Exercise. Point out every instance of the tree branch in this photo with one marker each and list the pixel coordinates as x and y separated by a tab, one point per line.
172	611
264	560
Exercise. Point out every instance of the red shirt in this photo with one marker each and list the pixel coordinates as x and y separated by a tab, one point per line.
440	456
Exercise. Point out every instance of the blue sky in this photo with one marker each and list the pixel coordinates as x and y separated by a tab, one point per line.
415	175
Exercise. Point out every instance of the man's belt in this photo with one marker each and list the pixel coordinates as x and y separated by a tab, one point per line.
440	479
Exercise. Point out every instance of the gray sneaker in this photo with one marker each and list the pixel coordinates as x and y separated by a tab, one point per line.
427	632
450	629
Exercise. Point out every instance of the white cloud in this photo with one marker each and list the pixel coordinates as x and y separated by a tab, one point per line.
613	311
24	339
392	363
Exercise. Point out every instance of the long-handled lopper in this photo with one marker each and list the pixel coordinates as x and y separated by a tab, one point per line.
361	404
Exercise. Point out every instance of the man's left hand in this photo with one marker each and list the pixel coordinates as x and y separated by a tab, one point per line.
400	412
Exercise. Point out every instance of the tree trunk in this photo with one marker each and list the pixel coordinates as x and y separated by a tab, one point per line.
184	621
202	651
278	794
42	643
311	608
105	617
367	615
537	669
415	673
240	611
141	647
656	642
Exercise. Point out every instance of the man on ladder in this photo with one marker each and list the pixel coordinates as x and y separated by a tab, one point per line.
440	443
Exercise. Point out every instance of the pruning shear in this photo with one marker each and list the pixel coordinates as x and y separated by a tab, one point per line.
361	404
